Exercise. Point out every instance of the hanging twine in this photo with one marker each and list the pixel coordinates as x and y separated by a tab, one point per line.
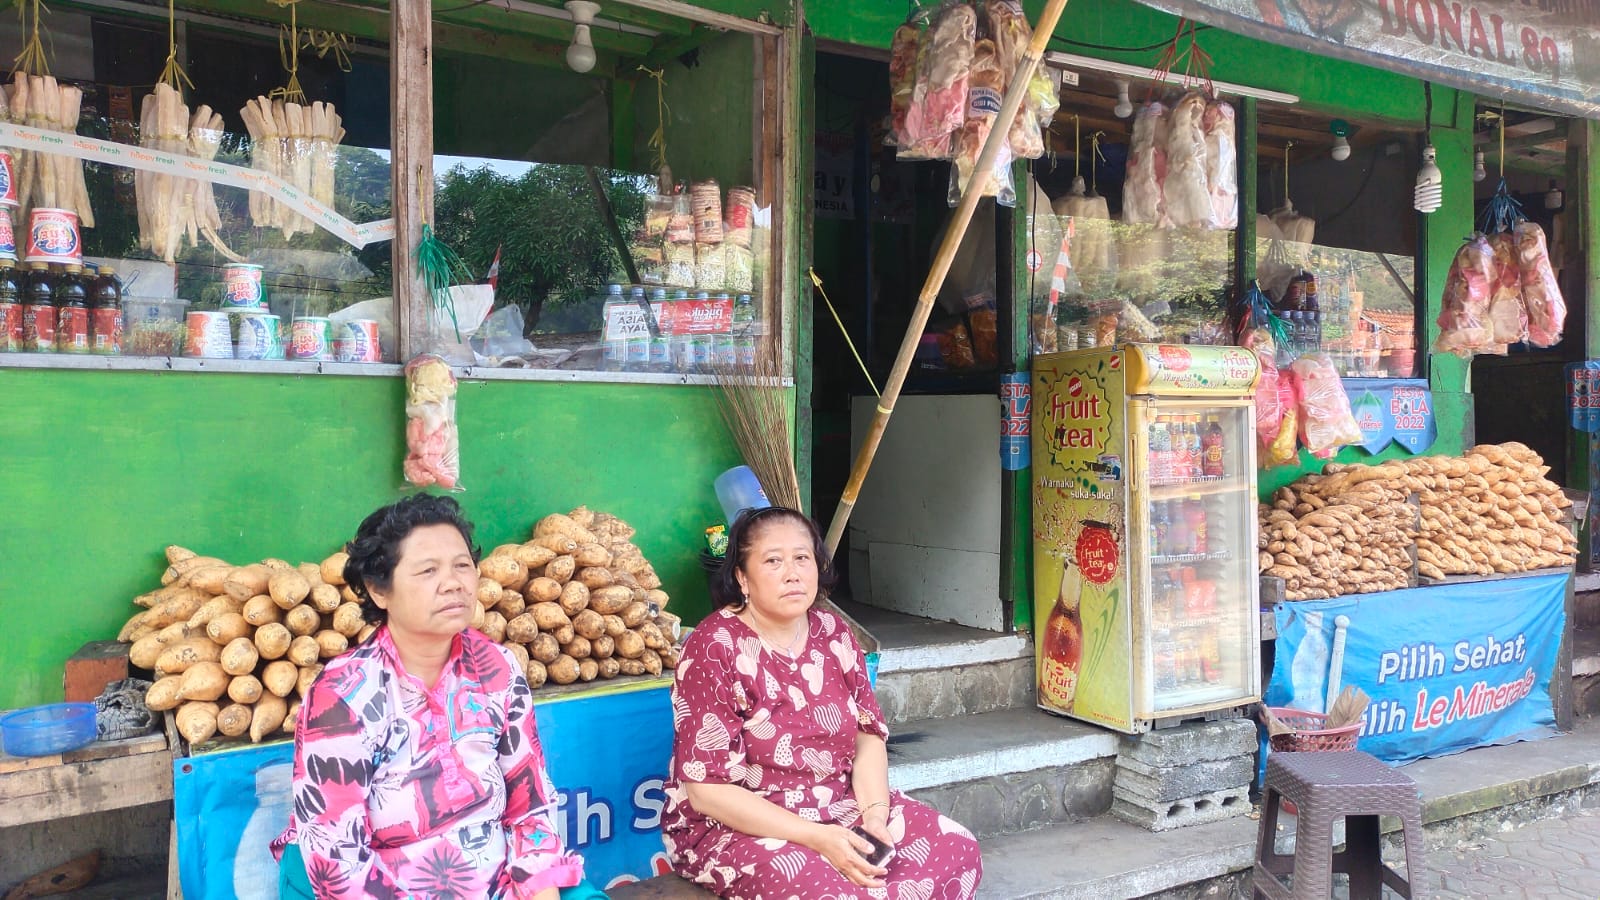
323	43
173	75
289	55
817	280
1096	156
1196	61
1287	146
658	138
1077	148
32	60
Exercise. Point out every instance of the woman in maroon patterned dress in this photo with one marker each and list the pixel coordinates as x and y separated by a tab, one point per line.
779	748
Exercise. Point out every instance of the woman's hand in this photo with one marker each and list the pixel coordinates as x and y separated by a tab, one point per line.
847	852
875	822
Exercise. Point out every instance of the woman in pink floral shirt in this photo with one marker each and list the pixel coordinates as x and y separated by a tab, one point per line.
417	766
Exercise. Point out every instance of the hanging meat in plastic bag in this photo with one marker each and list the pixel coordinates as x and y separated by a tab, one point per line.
1222	164
939	101
986	91
1185	194
1464	310
1508	320
1541	294
1147	167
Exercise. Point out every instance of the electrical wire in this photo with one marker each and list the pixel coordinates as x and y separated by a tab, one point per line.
470	5
1114	49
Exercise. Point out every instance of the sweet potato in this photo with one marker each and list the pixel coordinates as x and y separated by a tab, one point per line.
543	590
656	598
280	677
630	645
511	605
276	565
588	669
324	598
163	695
592	555
268	716
176	553
610	667
561	544
177	658
603	646
347	619
518	653
303	681
204	681
505	570
561	569
333	569
614	625
537	673
259	610
574	598
332	643
145	651
234	719
291	718
366	632
635	614
489	592
630	666
594	577
224	629
244	689
134	629
556	523
213	608
589	624
210	579
302	620
494	626
582	515
197	721
478	614
534	557
288	588
652	662
246	582
578	648
610	601
564	634
304	651
523	628
240	656
564	670
544	648
548	616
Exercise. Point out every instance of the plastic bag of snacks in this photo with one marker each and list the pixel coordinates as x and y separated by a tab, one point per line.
1325	419
739	215
1541	294
710	266
1185	195
1222	164
939	97
1508	318
679	268
903	50
986	92
433	452
1464	313
741	265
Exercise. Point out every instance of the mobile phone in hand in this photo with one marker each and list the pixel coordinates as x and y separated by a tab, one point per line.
881	852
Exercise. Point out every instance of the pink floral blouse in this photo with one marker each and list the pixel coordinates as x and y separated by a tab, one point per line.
400	791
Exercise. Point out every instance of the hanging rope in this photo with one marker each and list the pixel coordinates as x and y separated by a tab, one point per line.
1095	158
32	60
289	56
817	280
658	138
1077	148
1196	61
324	42
1287	146
172	75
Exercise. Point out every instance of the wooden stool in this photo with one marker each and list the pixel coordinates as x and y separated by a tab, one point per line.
1327	786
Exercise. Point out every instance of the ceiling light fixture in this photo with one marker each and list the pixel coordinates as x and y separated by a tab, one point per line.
580	53
1124	107
1074	61
1554	199
1429	194
1479	173
1341	144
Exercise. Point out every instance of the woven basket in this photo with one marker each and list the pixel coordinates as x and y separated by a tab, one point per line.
1309	734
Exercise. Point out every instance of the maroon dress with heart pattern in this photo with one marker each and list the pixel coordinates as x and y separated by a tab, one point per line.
786	730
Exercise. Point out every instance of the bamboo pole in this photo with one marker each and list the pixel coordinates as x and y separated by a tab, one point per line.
981	176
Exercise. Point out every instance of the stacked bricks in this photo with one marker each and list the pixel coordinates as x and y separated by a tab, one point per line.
1187	775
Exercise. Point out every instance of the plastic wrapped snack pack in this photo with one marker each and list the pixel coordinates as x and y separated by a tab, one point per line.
433	452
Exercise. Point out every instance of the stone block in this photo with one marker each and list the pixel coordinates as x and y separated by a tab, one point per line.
1167	783
1192	742
1210	807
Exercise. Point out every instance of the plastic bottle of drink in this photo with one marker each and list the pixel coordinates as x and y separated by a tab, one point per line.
660	344
613	347
1191	435
636	355
1160	451
1160	526
1212	464
39	310
72	311
1177	542
744	312
105	313
1194	520
1179	465
10	310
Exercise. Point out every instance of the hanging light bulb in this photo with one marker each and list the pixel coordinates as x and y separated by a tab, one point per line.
1341	143
1479	173
580	53
1554	199
1124	107
1429	194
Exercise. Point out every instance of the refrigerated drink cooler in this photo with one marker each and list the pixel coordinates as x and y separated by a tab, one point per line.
1145	577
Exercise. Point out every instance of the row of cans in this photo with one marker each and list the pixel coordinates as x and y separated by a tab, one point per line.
53	237
209	335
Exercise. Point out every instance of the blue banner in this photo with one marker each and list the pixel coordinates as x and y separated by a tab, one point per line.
1390	410
1016	421
607	754
1448	667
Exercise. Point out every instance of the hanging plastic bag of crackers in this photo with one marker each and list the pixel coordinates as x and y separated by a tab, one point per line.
433	450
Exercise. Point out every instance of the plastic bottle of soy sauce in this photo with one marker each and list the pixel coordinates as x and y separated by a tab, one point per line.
72	311
39	310
105	313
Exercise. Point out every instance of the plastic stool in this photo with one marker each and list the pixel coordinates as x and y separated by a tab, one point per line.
1327	786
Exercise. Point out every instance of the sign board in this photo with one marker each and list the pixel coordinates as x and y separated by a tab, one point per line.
1545	53
1448	667
1391	411
607	754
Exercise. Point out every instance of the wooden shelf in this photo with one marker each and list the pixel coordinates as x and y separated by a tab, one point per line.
103	776
1199	487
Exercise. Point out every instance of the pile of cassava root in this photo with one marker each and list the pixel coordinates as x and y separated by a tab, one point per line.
234	648
1353	529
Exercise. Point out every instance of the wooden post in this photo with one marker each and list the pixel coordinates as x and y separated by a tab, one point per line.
411	161
998	136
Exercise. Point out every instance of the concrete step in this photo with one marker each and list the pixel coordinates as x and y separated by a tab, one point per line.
1464	797
1006	770
933	670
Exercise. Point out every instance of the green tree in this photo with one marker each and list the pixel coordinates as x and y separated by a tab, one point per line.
553	242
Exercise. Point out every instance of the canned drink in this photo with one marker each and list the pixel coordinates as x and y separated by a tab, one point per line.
53	237
8	181
8	236
311	337
260	337
207	335
242	288
356	341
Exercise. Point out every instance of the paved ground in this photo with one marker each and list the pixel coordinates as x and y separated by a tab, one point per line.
1551	858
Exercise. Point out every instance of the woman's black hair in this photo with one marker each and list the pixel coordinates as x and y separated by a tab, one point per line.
725	590
375	550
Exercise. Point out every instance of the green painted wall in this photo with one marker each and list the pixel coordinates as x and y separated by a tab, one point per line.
710	130
105	469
